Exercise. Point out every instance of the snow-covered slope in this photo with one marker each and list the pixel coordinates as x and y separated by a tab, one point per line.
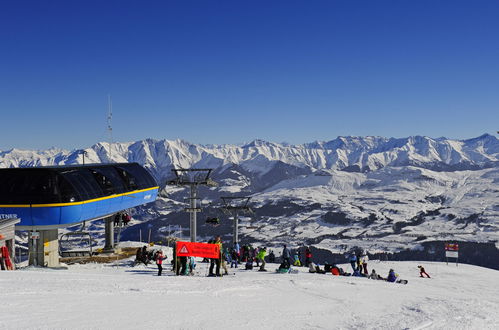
383	194
116	296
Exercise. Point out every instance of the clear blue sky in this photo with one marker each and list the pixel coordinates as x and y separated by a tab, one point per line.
231	71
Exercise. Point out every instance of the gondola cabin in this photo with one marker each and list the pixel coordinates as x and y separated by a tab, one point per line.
60	196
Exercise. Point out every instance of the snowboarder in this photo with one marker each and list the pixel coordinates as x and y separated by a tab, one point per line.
261	257
335	270
375	276
422	272
311	268
394	278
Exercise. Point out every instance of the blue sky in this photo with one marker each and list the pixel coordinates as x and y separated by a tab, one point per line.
232	71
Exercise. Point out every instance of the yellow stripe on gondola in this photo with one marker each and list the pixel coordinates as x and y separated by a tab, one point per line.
82	202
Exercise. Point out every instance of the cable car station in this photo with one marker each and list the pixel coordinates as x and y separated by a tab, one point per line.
48	198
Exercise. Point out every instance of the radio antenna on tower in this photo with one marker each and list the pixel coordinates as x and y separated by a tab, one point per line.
109	127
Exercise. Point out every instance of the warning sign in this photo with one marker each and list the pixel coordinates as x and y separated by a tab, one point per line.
203	250
451	247
183	250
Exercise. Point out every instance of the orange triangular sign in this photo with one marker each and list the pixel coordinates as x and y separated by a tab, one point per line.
183	249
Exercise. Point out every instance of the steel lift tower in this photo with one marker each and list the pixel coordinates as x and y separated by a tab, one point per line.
193	177
232	207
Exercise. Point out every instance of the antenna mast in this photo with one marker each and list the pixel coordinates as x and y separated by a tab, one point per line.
109	127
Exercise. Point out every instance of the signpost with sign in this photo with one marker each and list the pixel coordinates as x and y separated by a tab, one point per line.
451	251
193	249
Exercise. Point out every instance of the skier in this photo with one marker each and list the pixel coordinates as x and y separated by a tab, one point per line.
286	255
159	261
422	272
261	257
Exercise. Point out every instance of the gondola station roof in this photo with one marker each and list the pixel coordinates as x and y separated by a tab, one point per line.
59	196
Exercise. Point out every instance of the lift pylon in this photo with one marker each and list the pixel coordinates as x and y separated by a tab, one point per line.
193	177
233	206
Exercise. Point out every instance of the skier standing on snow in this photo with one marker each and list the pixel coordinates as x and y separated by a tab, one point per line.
422	272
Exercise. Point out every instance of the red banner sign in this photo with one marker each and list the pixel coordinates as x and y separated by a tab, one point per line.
203	250
451	247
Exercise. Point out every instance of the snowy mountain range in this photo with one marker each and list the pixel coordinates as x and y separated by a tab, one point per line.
381	194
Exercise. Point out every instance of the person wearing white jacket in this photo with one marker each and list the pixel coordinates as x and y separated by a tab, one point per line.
364	260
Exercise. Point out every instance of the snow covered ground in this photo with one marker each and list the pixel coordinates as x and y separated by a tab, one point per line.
112	296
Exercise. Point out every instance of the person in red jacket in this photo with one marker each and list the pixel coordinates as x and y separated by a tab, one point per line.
308	256
159	261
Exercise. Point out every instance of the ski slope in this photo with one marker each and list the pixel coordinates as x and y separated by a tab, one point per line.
117	296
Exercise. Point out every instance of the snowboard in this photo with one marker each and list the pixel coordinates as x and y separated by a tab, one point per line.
286	271
402	281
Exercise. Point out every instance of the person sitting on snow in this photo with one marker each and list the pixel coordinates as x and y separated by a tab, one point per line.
392	277
335	270
297	261
375	276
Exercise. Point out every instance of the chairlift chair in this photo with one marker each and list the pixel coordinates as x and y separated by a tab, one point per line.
75	244
214	221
